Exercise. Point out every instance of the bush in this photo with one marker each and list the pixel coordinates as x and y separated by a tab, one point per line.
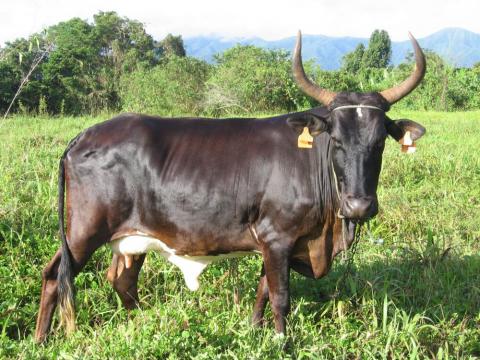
248	79
336	80
174	87
443	88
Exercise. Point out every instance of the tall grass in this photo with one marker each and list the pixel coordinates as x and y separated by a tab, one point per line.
415	291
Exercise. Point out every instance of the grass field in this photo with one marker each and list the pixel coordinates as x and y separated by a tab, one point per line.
415	294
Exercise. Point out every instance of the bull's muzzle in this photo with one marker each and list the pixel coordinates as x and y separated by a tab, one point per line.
359	208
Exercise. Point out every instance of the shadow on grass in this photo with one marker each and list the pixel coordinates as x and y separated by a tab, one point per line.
440	288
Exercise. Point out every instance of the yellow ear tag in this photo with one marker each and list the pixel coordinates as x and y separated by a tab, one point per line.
305	140
408	145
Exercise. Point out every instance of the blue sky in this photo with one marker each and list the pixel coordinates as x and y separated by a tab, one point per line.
269	19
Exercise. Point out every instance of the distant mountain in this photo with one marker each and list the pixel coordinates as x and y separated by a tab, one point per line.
459	47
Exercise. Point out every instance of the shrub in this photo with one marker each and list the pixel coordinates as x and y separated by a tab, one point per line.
174	87
249	79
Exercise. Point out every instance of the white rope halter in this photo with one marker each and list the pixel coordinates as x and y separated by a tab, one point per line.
357	106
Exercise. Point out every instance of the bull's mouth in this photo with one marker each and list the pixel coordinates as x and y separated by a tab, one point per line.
356	220
362	220
351	226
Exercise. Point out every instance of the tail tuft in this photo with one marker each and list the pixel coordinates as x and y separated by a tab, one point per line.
66	290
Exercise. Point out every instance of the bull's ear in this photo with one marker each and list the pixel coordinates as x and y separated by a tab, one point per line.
314	123
398	128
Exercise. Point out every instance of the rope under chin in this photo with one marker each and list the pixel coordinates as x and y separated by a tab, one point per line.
348	253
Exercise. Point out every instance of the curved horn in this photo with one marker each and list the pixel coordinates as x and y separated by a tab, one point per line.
322	95
394	94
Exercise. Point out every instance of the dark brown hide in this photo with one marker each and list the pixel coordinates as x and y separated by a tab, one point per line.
196	184
209	187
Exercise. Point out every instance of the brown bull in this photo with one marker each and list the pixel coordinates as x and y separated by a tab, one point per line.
198	190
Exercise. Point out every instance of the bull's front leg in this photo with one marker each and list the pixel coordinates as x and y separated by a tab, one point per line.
262	290
261	299
276	258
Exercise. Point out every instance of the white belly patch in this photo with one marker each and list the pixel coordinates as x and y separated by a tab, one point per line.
190	266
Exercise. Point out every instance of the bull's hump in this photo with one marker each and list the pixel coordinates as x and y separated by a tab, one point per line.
190	266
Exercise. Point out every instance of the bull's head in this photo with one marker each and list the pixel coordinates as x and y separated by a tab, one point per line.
358	126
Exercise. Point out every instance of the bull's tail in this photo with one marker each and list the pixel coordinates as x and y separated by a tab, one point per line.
66	288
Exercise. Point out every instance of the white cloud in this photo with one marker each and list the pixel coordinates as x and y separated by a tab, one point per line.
269	19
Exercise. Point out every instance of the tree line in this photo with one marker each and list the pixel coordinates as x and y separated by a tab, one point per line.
113	64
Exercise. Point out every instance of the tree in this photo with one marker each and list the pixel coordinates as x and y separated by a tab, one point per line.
21	72
124	47
124	43
172	45
379	50
69	73
352	62
36	62
83	71
9	81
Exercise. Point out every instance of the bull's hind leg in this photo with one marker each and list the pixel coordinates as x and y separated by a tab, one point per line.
82	243
49	295
124	280
48	300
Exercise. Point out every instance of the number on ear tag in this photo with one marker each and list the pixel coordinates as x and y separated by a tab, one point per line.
305	140
408	145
